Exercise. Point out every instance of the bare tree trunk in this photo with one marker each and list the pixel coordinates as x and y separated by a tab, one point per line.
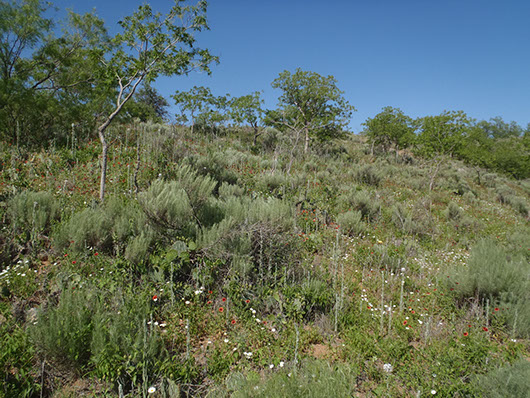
434	174
306	145
103	176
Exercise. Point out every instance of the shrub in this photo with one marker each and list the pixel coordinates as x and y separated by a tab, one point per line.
33	211
64	332
368	175
512	381
493	274
105	228
453	212
351	222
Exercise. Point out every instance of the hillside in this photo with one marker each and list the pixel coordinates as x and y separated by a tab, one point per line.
220	268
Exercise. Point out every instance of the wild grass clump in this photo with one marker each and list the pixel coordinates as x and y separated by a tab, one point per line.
314	379
496	279
512	381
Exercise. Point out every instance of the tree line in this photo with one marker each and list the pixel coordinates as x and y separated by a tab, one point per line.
84	79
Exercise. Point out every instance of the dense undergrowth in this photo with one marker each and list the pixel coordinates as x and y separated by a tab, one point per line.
218	268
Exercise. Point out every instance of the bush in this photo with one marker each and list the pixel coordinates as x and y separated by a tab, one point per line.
64	332
107	228
493	274
453	212
350	222
511	381
33	211
368	175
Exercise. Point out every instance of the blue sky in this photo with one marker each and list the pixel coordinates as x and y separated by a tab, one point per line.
423	56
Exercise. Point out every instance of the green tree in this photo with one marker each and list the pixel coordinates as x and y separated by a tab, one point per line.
148	104
497	128
150	45
310	104
390	127
46	80
441	136
192	102
201	108
248	109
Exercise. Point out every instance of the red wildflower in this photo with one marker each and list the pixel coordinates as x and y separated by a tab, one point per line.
496	309
233	322
468	326
155	297
412	312
405	322
221	309
466	334
96	254
485	328
223	299
209	302
73	262
210	292
368	307
247	301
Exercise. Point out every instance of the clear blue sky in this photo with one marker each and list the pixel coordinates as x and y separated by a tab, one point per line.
423	56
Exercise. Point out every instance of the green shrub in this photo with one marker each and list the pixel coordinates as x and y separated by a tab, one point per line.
495	275
107	228
369	175
512	381
33	211
64	332
351	222
16	360
453	212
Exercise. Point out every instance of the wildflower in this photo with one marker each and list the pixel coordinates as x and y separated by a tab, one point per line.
281	364
226	341
73	262
151	390
223	299
466	334
405	322
97	254
271	366
233	322
209	302
388	368
221	309
247	301
155	298
433	392
187	302
197	292
485	328
496	309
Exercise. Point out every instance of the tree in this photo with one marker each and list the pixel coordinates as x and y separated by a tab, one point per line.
390	127
148	104
151	45
497	128
477	149
441	136
248	109
310	104
192	102
46	80
201	107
